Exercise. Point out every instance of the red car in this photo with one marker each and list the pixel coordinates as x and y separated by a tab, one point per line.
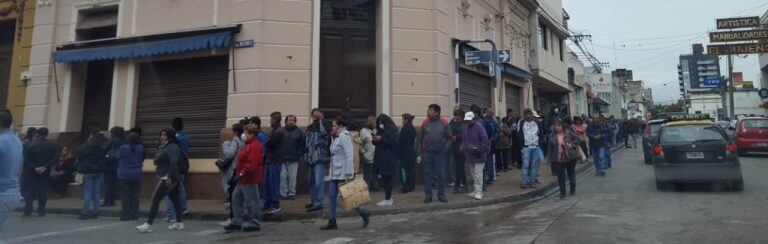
752	135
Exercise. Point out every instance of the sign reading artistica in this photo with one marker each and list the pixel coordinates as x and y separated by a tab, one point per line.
735	23
600	82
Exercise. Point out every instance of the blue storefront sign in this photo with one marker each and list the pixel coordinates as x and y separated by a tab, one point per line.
712	82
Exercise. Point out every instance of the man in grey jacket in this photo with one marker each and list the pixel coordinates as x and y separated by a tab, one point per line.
434	141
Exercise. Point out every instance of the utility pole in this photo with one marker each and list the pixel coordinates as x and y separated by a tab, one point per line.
730	85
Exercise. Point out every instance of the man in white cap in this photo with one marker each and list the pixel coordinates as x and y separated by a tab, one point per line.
529	134
475	145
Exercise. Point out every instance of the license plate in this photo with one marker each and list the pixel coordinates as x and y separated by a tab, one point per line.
762	144
695	155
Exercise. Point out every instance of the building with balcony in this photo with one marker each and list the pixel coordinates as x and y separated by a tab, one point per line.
692	70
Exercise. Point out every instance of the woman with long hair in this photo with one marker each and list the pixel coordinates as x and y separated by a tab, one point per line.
168	177
341	169
563	142
385	139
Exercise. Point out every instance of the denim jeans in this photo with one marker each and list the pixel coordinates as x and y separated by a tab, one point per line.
316	183
9	200
433	164
170	211
333	198
91	193
608	159
272	185
529	171
490	168
601	159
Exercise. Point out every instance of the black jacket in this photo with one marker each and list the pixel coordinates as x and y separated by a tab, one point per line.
40	153
111	146
293	144
275	145
384	158
167	162
406	146
90	159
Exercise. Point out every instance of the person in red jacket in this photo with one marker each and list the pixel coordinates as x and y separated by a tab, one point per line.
249	173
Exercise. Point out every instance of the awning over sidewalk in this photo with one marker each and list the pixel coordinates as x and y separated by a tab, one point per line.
145	46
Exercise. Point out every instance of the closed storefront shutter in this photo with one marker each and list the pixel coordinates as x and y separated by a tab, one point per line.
193	89
474	89
512	93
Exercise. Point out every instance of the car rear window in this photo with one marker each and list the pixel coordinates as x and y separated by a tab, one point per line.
655	128
690	133
755	124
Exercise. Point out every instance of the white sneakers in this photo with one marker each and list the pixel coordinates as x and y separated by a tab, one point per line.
147	228
386	203
225	222
176	226
476	195
144	228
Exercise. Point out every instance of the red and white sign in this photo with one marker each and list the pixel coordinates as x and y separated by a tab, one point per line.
600	82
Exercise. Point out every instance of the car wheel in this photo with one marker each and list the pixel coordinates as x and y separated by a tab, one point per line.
737	185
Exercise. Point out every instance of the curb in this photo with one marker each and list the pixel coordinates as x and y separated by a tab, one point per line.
541	191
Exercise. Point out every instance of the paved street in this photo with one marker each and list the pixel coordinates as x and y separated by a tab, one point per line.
624	207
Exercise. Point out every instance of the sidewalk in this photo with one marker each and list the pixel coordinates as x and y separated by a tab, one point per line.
506	188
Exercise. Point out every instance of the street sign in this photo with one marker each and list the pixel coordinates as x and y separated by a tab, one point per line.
244	43
743	48
742	35
712	82
477	57
504	56
734	23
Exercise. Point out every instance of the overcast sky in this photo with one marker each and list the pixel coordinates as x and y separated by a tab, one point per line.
647	36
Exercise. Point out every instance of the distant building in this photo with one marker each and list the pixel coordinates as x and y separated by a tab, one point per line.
692	71
763	58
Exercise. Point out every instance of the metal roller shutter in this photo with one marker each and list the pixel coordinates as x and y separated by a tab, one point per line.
512	93
474	89
193	89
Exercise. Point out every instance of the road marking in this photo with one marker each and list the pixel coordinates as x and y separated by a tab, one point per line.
207	232
55	233
591	215
338	240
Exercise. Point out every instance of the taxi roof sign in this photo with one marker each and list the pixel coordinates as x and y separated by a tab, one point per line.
687	117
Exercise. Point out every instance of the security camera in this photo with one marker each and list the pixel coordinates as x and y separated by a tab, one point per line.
25	77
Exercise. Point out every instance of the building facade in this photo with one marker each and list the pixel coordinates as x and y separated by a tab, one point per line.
763	57
549	68
692	70
96	64
16	21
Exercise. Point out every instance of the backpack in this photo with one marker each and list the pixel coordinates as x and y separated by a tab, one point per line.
183	164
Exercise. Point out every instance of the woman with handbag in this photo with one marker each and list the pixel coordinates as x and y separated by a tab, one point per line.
341	169
563	145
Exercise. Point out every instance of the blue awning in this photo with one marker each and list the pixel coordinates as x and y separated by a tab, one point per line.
516	72
137	47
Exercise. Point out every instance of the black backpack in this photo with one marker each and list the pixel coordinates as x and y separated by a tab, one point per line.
183	164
